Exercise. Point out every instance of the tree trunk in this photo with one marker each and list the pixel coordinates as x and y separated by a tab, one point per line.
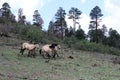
96	30
61	30
74	25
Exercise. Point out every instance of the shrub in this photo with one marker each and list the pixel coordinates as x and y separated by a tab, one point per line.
20	29
70	41
88	46
34	34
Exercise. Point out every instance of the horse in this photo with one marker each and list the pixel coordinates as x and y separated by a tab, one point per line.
49	50
30	47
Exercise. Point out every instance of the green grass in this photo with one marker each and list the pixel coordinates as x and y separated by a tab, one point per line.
84	66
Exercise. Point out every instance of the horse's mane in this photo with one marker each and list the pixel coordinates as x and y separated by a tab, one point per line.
53	45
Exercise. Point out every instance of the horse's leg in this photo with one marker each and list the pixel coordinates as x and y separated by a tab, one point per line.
44	54
29	53
34	53
22	51
54	54
57	54
48	55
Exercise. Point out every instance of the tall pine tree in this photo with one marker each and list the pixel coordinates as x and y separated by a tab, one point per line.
95	15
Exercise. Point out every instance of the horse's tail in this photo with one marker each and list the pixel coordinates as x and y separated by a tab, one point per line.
40	51
22	50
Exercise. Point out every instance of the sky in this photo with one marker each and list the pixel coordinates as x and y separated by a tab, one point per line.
48	8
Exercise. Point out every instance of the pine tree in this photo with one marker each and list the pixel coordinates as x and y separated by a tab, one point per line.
74	14
95	15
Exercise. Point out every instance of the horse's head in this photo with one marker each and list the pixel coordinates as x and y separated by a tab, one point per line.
54	45
58	46
37	46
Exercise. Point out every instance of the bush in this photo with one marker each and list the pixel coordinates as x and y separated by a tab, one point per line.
88	46
70	41
34	34
20	29
85	45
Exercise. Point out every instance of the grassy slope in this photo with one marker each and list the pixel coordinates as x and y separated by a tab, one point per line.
84	66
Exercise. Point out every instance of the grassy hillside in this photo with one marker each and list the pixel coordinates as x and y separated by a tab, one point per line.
72	65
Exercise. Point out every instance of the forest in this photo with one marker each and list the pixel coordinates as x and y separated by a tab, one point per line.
58	28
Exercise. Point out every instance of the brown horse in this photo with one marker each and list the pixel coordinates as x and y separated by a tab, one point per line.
49	50
30	47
